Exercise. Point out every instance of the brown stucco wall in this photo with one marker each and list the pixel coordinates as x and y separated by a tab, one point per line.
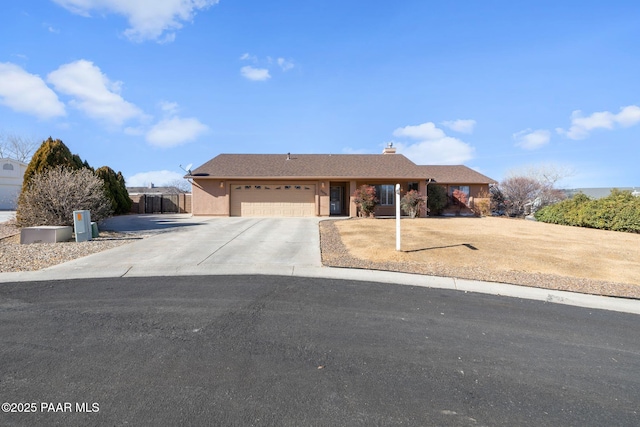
322	197
209	198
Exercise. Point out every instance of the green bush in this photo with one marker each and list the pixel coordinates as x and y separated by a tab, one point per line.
436	199
115	189
620	211
51	153
54	154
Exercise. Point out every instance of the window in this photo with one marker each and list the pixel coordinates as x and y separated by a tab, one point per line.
7	167
413	186
385	194
463	188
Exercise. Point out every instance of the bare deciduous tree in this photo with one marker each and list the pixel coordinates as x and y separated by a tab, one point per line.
548	174
518	192
53	195
529	189
17	147
181	185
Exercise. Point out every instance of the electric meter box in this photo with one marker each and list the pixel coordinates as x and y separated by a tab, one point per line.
82	225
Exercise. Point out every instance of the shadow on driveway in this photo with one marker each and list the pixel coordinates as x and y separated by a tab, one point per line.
148	223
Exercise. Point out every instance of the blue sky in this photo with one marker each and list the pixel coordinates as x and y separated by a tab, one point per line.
144	86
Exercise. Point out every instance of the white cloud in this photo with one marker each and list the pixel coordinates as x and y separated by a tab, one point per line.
255	74
174	131
169	107
248	57
28	93
53	30
433	146
424	131
582	126
531	140
92	92
445	151
262	69
148	19
462	126
628	116
158	178
285	65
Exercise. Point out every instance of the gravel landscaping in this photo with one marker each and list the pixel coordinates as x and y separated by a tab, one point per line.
36	256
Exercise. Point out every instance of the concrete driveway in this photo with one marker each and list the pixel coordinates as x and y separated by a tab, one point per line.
185	245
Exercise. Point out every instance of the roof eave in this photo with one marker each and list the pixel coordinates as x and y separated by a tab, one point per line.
308	178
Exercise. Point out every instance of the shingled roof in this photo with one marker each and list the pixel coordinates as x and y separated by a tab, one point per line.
455	174
334	166
312	166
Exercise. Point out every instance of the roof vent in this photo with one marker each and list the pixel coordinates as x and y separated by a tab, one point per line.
389	149
288	156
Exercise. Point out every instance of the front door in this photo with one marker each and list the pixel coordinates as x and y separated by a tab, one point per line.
335	200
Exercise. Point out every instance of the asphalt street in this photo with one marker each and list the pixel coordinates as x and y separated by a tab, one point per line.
296	351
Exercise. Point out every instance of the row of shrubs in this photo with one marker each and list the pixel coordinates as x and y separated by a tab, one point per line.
58	182
412	201
620	211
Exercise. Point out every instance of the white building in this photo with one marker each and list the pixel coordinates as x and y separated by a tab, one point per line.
11	174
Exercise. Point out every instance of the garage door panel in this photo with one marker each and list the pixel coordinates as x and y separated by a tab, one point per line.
273	200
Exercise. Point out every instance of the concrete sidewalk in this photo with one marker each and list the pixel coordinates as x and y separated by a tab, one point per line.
182	245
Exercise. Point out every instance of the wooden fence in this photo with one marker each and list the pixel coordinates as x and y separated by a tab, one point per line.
161	203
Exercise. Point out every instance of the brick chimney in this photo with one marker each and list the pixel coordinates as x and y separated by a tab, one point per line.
389	149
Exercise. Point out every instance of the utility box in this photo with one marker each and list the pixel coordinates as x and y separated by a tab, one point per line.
45	234
94	230
82	225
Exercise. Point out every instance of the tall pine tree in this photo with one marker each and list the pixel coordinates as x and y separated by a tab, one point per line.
115	189
52	152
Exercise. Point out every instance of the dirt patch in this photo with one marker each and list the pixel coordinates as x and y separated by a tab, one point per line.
491	249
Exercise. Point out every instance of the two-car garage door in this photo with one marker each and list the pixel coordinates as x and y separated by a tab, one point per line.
273	200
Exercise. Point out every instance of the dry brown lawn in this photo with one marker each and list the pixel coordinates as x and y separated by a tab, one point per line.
497	247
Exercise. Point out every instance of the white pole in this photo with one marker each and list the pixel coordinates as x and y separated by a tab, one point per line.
397	217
